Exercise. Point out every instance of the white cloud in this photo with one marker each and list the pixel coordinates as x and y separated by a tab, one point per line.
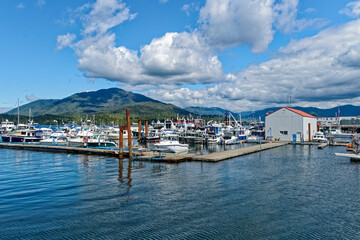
163	1
286	17
104	15
176	58
181	58
64	41
229	23
322	71
188	8
309	68
20	6
31	98
352	9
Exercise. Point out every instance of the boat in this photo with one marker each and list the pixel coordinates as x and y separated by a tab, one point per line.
23	135
81	138
170	143
319	137
6	126
56	138
99	140
336	133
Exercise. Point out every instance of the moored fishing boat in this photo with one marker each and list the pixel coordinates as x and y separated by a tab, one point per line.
24	135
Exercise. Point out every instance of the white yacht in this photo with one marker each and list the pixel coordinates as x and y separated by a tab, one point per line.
6	126
338	134
170	143
319	137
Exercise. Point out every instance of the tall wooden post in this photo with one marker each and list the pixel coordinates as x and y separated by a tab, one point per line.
139	129
129	131
121	141
309	132
146	127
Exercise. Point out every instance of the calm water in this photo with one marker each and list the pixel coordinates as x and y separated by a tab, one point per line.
292	192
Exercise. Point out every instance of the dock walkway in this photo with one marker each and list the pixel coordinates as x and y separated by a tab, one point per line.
220	156
59	148
146	156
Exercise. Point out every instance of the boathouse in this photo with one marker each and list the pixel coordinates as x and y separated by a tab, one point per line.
288	124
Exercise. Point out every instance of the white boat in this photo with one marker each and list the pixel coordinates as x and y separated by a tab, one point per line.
336	133
46	132
56	139
170	143
99	140
114	134
6	126
319	137
81	138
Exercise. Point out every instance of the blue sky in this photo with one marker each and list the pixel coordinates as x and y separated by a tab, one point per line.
236	54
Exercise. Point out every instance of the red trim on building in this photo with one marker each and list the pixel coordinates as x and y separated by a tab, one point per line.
301	113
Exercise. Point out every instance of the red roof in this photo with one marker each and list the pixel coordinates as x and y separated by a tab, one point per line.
301	113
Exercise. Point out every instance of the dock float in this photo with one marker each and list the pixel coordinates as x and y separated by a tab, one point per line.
220	156
59	148
148	155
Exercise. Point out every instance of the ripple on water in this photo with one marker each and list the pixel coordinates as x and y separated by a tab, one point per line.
296	192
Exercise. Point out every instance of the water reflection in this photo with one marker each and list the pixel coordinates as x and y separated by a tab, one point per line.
121	167
129	174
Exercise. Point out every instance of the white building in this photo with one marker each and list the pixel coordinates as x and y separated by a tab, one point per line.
288	123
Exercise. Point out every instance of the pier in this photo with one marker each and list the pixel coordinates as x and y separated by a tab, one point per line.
220	156
147	155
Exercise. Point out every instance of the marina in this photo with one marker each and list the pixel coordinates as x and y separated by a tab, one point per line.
147	155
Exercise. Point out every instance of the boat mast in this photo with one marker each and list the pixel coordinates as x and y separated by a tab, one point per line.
18	112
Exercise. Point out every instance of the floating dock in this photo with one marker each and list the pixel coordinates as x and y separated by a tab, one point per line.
220	156
60	148
147	155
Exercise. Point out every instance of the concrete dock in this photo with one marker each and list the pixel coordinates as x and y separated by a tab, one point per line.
220	156
148	155
59	148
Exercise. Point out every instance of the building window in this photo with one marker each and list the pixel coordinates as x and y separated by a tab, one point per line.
284	132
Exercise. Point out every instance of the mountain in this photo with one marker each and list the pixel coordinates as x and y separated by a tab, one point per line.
212	111
345	110
113	100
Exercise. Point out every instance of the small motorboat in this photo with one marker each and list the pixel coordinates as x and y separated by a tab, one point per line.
319	137
170	143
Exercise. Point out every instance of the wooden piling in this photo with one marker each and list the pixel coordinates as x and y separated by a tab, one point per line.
129	131
139	129
146	127
121	141
309	126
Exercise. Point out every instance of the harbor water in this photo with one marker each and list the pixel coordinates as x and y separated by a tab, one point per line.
290	192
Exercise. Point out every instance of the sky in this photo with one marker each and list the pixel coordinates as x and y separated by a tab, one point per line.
240	55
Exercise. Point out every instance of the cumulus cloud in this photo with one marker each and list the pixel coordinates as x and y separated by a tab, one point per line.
186	58
64	41
176	58
286	17
352	9
31	98
104	15
229	23
318	70
182	58
173	59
